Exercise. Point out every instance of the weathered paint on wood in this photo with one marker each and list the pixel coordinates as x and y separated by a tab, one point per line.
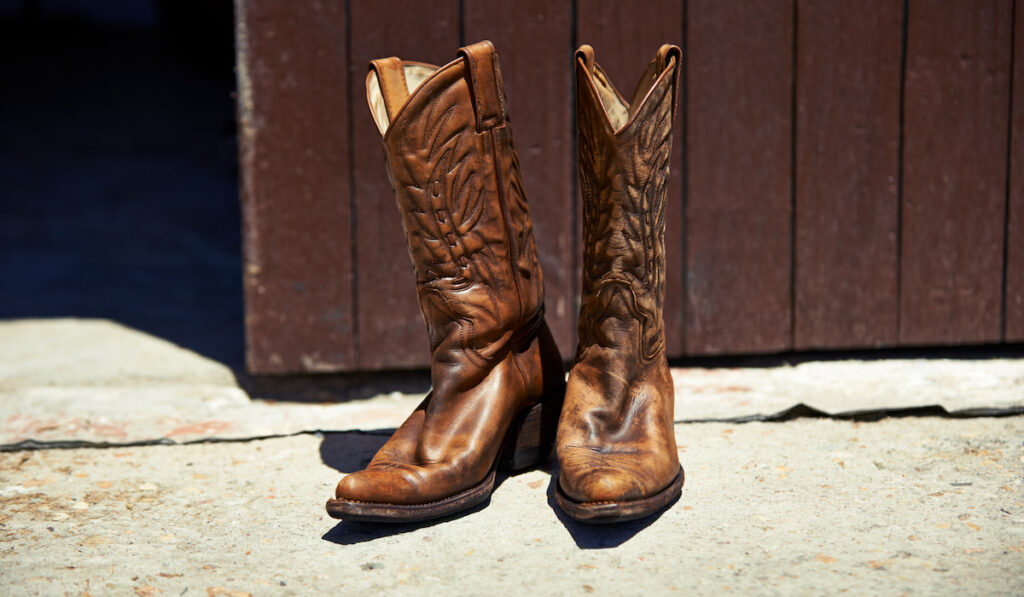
1014	318
739	126
537	83
391	330
625	41
293	136
954	171
847	171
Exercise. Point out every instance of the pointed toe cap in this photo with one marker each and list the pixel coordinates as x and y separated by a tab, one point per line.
373	486
601	485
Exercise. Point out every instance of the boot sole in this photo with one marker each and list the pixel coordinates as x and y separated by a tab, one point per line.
528	443
383	512
612	512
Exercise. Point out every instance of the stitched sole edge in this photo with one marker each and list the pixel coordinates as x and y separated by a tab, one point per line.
612	512
383	512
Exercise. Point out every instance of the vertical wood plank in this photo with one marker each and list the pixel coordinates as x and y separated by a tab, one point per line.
954	171
1014	323
534	40
739	127
391	330
294	160
847	166
625	40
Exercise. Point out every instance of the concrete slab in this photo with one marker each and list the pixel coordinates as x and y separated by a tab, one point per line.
94	353
67	382
911	505
74	382
851	387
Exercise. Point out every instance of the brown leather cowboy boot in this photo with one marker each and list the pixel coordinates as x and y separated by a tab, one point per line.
616	446
498	379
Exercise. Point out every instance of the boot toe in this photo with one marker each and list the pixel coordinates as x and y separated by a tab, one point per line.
602	485
371	486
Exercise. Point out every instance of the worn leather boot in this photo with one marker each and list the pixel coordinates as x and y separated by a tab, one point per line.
616	445
498	379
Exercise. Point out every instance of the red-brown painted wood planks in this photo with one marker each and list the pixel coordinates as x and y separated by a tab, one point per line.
625	40
739	127
292	74
1014	324
954	171
391	330
303	303
847	171
534	42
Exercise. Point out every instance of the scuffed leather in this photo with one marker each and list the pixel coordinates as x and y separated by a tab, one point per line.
615	438
455	174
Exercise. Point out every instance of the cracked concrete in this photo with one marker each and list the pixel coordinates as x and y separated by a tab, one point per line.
70	382
909	505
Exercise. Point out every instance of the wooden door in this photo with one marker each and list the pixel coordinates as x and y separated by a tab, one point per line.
844	175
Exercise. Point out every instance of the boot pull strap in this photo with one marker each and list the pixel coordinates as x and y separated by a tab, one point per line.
586	54
666	52
485	85
394	88
663	54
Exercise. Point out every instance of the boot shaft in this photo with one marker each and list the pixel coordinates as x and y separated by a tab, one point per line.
452	163
624	150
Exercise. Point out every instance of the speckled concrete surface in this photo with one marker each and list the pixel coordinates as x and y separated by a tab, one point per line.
899	506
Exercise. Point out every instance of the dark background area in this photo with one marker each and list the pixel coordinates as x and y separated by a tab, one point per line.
118	168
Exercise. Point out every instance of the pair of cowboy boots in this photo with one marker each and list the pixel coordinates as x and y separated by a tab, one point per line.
499	398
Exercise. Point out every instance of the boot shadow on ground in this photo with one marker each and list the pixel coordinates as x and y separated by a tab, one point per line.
348	532
599	536
351	451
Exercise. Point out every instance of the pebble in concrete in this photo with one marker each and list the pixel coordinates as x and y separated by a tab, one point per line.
916	506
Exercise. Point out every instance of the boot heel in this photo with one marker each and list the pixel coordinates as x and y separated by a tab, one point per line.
531	437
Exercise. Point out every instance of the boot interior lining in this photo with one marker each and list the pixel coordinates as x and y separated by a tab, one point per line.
618	111
614	106
415	75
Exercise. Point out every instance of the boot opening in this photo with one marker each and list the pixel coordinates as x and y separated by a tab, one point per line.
617	110
415	75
